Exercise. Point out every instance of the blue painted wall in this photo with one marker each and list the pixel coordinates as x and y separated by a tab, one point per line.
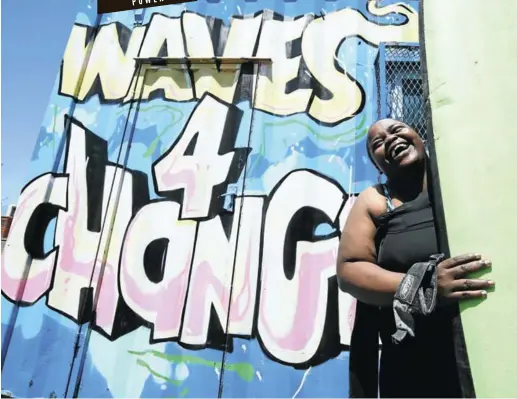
177	235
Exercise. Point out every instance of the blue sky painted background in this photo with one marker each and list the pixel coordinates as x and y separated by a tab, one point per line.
34	36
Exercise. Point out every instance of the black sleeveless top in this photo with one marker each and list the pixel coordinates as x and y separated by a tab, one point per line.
423	366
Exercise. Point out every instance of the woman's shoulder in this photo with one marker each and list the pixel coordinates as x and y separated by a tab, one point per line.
373	200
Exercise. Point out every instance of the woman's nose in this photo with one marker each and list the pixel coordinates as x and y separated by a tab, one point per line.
389	139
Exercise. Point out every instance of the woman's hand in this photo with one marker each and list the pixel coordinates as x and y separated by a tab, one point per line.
452	277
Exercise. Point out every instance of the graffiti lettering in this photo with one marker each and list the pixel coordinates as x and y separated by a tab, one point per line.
292	329
161	301
26	269
211	283
78	230
327	92
198	173
171	263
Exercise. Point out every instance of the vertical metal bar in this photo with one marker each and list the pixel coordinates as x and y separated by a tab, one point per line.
383	92
256	71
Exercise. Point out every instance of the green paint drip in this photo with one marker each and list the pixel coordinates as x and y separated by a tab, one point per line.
338	136
154	143
244	370
144	364
151	107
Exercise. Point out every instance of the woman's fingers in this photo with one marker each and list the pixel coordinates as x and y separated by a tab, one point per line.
453	273
470	267
460	260
468	294
471	285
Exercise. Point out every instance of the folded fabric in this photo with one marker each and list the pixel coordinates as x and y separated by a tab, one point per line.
416	294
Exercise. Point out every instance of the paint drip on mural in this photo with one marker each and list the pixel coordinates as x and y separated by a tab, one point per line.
180	223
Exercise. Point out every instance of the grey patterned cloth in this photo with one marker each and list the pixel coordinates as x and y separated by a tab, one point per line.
416	294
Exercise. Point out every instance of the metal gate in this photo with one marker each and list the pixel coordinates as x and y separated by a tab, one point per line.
399	83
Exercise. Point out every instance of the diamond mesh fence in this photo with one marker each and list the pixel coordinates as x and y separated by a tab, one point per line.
399	84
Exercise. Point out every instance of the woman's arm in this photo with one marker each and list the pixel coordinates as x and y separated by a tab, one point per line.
357	272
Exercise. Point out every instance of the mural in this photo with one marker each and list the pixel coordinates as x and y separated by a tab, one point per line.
177	236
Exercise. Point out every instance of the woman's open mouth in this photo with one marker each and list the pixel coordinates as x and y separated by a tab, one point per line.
399	151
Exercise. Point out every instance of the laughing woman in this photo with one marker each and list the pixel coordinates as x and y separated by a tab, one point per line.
390	228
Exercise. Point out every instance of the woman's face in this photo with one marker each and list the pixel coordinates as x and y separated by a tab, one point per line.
394	146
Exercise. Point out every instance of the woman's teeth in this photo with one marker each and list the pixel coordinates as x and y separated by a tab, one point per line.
398	149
